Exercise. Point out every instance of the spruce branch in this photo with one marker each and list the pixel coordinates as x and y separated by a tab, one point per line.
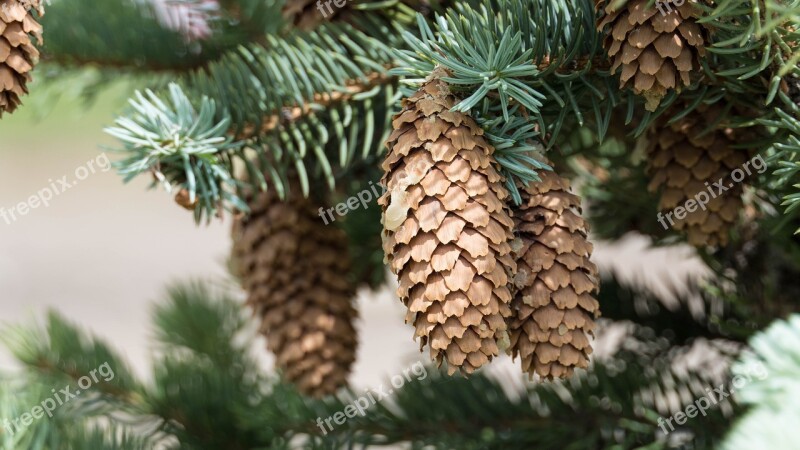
320	100
752	39
60	349
532	53
309	117
694	315
327	106
180	146
518	149
118	33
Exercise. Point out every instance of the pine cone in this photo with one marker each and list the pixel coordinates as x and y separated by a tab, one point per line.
18	55
657	46
684	162
553	308
446	230
291	265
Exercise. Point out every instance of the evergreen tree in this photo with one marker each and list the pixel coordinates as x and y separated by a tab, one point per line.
488	124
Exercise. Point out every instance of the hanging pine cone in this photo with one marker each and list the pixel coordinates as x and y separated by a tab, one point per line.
657	46
18	55
685	160
553	308
291	264
446	230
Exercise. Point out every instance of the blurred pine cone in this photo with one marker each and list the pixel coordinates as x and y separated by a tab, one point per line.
292	266
685	160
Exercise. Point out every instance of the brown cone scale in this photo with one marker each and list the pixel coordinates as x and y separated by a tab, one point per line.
553	309
447	231
18	55
292	266
656	51
685	158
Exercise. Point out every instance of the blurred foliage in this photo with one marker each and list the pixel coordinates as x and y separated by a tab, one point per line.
208	392
773	415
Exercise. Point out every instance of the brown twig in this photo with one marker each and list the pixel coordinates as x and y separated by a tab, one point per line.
327	99
324	99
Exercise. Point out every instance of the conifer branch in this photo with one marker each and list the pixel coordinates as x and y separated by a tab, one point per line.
320	100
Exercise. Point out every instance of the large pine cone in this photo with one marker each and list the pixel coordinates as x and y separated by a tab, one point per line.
293	268
685	161
18	55
657	46
553	309
446	230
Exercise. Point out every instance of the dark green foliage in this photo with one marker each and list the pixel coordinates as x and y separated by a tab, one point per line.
608	171
763	263
61	351
362	225
699	316
121	34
